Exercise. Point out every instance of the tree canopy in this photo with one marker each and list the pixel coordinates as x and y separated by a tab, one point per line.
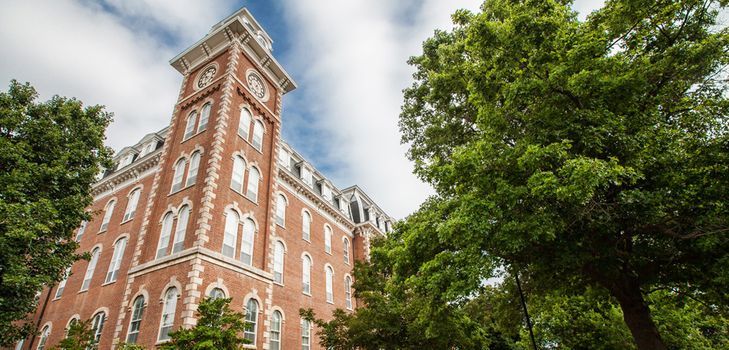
218	328
579	153
50	153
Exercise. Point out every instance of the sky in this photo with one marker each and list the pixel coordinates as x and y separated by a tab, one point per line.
347	57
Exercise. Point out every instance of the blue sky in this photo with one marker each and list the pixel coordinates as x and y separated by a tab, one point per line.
348	58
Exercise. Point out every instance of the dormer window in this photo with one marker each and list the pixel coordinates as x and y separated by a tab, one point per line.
126	160
306	176
326	192
284	158
147	149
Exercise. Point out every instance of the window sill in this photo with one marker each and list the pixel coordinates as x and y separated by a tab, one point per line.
101	231
307	294
192	136
56	298
328	253
181	189
160	342
127	220
281	225
83	291
306	240
330	302
278	283
108	283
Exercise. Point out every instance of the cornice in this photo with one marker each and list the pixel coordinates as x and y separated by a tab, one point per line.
307	191
129	172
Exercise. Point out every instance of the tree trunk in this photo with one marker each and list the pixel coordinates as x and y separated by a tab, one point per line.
636	313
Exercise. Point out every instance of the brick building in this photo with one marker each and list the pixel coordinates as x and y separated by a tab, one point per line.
215	204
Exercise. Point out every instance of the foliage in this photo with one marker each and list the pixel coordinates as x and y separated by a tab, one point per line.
79	336
580	154
218	328
129	346
51	153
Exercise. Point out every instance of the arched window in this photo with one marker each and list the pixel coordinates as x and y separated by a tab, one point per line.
190	126
71	322
236	179
253	178
164	236
204	116
345	248
179	174
306	274
306	226
258	135
246	245
168	313
62	284
305	334
348	292
181	228
278	262
107	215
329	276
81	229
97	325
192	171
116	260
217	293
132	205
251	320
327	239
231	232
244	125
275	343
280	210
44	337
90	268
136	321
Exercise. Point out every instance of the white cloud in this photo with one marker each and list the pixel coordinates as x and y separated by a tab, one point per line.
355	54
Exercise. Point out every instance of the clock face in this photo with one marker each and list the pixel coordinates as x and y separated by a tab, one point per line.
206	77
255	84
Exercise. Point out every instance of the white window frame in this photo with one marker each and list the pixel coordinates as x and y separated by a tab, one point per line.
116	259
306	264
345	250
252	186
348	292
230	233
204	116
183	216
244	123
165	234
108	212
190	125
305	334
179	175
193	169
169	307
328	239
81	230
281	210
279	250
247	241
329	277
132	204
251	319
62	284
276	327
97	325
136	317
45	333
306	226
91	268
238	174
258	131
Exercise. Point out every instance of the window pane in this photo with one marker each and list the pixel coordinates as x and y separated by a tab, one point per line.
251	320
107	215
62	284
168	313
136	321
329	275
97	325
280	210
190	126
164	237
90	269
348	292
306	227
181	229
236	180
278	262
345	248
132	205
253	178
244	125
306	275
231	233
275	343
179	174
192	171
246	247
116	260
327	239
258	135
204	116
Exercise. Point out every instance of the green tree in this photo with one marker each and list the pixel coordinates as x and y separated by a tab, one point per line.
79	336
218	328
590	153
50	153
